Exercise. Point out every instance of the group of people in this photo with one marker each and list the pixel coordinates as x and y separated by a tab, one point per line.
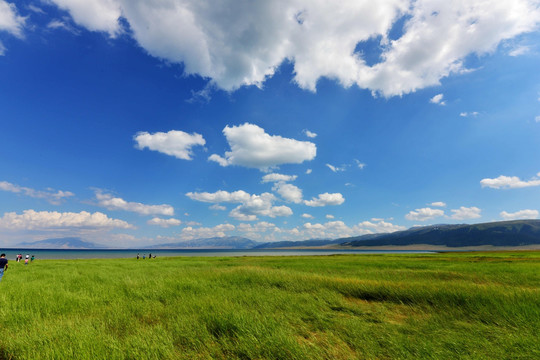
26	259
144	256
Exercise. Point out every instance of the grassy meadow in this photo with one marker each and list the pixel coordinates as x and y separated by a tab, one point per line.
389	306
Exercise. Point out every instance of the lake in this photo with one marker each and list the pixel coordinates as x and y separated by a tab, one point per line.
132	253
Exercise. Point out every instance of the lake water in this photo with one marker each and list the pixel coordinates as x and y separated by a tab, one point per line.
132	253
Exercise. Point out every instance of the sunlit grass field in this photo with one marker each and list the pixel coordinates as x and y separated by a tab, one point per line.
406	306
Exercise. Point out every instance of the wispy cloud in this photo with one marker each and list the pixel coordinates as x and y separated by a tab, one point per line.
50	195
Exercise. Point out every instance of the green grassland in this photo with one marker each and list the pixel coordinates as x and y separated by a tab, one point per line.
406	306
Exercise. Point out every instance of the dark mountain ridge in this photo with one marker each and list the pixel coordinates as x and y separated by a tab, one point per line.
500	233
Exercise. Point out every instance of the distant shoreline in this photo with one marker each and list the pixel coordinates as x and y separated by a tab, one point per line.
417	247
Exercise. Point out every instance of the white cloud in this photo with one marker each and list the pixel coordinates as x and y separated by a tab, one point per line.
307	216
310	134
218	207
220	196
288	192
254	231
97	15
325	200
328	216
52	196
250	206
336	168
242	43
509	182
10	21
278	177
175	143
537	119
63	25
467	114
519	50
437	99
360	165
190	233
424	214
114	203
164	222
375	227
252	147
36	9
522	214
308	171
43	220
338	229
464	213
438	204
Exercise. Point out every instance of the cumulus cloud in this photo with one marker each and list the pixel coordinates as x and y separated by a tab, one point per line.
10	22
376	226
509	182
243	43
220	196
307	216
464	213
52	196
175	143
337	229
325	200
288	192
252	147
250	206
115	203
522	214
278	178
424	214
164	222
190	233
43	220
97	15
438	99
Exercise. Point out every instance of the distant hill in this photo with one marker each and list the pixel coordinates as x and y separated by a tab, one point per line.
61	243
303	243
501	233
227	242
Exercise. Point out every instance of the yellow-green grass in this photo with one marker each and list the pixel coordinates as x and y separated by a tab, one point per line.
407	306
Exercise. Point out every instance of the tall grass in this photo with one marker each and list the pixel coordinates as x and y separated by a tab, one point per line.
476	305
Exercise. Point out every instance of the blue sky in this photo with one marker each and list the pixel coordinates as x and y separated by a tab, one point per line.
132	123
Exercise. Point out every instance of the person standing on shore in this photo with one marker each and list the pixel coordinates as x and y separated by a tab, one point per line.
3	265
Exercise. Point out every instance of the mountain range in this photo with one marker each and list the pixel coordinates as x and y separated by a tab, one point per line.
500	233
